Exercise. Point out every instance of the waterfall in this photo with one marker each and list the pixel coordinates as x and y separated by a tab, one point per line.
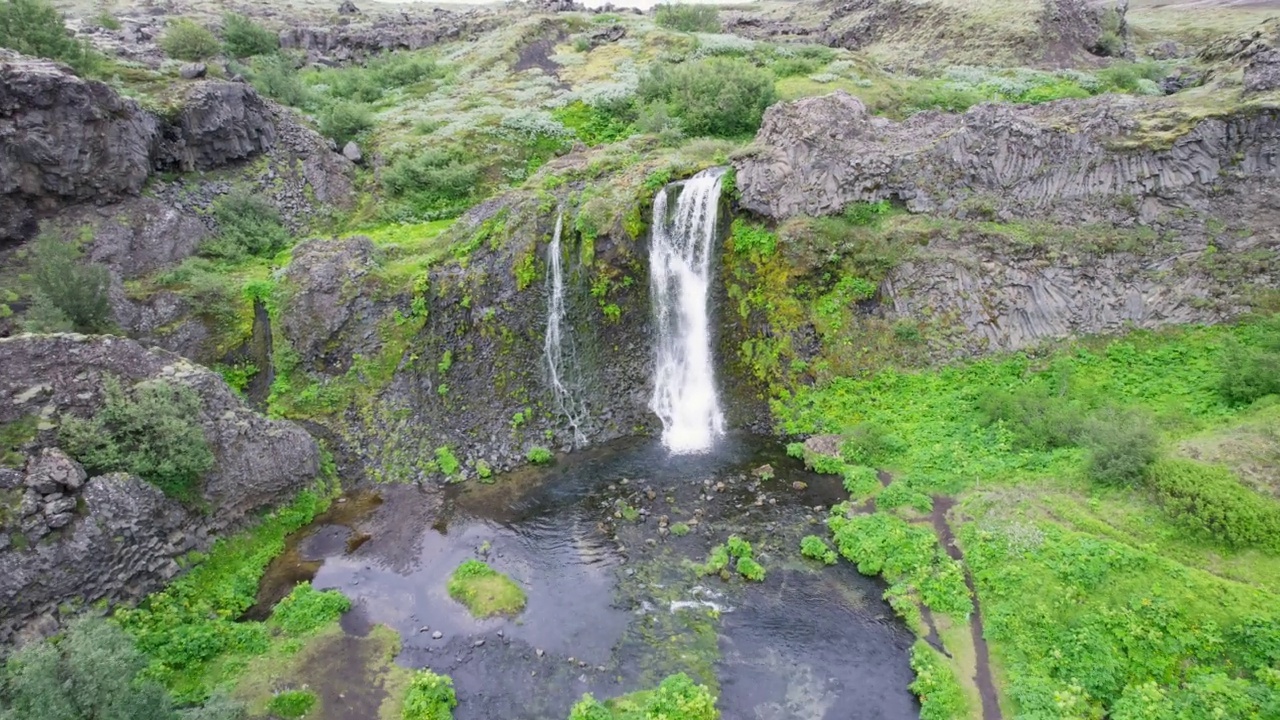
557	346
684	392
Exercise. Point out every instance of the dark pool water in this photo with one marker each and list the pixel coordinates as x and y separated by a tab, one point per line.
613	604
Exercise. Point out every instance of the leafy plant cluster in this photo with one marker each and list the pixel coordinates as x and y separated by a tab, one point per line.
292	703
941	697
188	628
248	226
69	295
485	591
1210	501
92	670
962	87
429	697
185	39
151	431
735	555
908	557
677	697
35	27
815	548
687	17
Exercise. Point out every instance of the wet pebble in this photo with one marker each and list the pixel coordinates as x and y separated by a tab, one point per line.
437	635
539	652
499	633
478	643
423	629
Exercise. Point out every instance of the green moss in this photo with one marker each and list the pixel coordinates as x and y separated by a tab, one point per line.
485	591
13	436
292	703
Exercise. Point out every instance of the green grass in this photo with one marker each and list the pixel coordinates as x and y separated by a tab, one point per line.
485	591
676	698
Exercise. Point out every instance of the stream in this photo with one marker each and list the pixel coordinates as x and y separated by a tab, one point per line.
616	604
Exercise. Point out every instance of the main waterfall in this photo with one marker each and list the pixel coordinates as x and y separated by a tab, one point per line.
684	392
558	346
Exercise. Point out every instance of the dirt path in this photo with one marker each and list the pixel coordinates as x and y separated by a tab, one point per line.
986	684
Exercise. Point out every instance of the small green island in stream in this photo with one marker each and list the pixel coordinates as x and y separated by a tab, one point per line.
553	359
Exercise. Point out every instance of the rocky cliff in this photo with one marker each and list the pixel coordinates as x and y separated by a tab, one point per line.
1069	218
65	536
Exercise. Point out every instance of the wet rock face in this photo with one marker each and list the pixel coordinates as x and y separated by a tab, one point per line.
408	32
1065	160
328	319
1263	72
65	140
219	122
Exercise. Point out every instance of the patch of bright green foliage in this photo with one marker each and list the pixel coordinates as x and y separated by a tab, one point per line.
191	630
814	547
429	697
485	591
13	436
677	697
539	455
36	28
150	431
941	697
735	554
292	703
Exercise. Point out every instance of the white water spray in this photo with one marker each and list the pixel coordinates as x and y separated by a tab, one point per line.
684	392
557	347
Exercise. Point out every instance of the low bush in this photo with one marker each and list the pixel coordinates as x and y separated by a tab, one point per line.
94	671
1037	417
276	77
1250	373
69	294
379	75
292	703
677	697
687	17
248	225
860	481
306	609
539	456
429	697
343	121
435	183
719	96
245	38
1209	500
816	548
595	125
185	40
1121	445
941	697
152	432
35	27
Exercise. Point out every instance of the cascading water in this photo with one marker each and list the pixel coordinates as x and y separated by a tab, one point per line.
557	346
684	392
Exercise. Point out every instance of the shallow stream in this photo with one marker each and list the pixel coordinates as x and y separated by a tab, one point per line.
615	604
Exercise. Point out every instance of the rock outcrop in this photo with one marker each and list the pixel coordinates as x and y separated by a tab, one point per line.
220	122
359	39
329	320
116	537
1068	159
65	140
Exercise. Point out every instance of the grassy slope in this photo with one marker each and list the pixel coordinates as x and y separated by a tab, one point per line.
1085	591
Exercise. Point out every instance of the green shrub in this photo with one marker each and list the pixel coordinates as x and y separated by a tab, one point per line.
750	238
1209	500
595	125
93	671
107	21
435	182
679	529
860	481
35	27
485	591
750	569
292	703
1128	77
152	432
814	547
687	17
1038	418
738	547
678	697
248	225
1249	373
793	66
539	456
446	461
245	38
1121	445
343	121
429	697
276	77
718	96
941	697
717	560
306	609
868	443
185	40
72	293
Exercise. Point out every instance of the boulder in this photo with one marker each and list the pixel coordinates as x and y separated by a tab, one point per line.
193	71
348	8
219	122
52	471
351	151
1263	72
325	303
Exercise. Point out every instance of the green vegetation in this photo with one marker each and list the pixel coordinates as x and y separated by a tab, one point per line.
539	456
1209	500
814	547
485	591
687	17
735	554
151	431
69	295
185	40
245	38
429	697
941	697
13	436
190	631
343	121
679	529
292	703
962	87
718	96
35	27
248	226
678	697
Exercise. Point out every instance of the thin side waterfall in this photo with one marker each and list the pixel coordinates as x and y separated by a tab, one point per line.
557	346
684	389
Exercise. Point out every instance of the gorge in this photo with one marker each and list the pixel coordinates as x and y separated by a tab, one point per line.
889	358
